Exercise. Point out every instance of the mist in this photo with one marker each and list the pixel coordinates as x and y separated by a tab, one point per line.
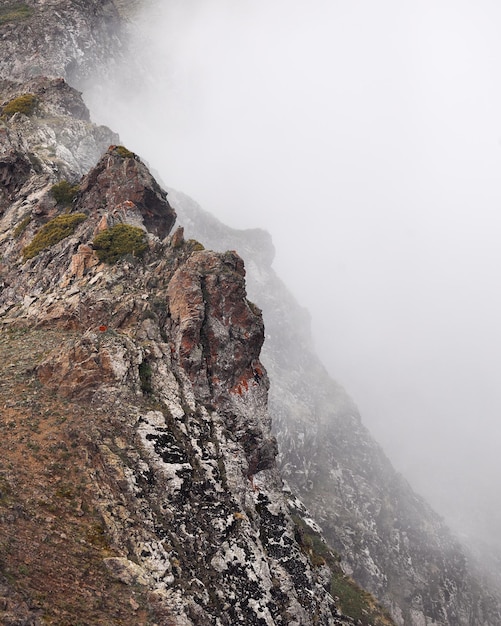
366	138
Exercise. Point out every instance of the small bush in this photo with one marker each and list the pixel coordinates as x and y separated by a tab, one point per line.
145	375
51	233
114	243
22	104
64	192
124	153
196	246
14	12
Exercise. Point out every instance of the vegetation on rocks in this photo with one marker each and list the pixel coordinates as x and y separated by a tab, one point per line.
64	192
51	233
22	104
14	12
52	531
124	153
353	601
114	243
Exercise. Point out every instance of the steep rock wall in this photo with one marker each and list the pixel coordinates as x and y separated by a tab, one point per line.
389	539
156	362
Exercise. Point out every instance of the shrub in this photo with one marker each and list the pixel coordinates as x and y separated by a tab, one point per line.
14	12
22	104
114	243
64	192
51	233
145	375
124	153
196	246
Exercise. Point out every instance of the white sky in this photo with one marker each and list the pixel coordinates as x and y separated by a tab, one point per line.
366	137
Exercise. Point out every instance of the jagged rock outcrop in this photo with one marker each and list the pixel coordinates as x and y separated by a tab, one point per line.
389	539
138	478
121	180
155	363
33	143
67	39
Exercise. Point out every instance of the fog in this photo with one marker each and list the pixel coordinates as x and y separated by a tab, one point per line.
366	137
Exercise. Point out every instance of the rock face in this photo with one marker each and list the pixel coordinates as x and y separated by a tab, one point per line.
389	539
138	475
66	39
168	483
35	144
121	180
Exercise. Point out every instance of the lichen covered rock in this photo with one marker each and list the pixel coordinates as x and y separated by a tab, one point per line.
163	352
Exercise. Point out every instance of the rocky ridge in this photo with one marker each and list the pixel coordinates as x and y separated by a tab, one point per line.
155	400
146	376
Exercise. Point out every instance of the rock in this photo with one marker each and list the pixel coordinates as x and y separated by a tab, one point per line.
389	539
148	423
126	572
121	183
66	39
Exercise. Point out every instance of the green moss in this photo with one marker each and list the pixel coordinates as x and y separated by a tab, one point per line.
51	233
195	245
22	104
64	192
14	12
21	227
114	243
96	536
124	153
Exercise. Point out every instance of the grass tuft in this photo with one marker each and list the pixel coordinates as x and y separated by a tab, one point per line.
123	239
51	233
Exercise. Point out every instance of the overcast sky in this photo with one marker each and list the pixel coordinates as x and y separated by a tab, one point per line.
366	137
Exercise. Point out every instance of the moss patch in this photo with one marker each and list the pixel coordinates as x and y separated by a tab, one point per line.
58	228
21	227
124	153
114	243
145	375
352	600
14	12
64	192
22	104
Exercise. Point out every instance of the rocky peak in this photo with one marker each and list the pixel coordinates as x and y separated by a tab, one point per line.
120	180
138	480
50	140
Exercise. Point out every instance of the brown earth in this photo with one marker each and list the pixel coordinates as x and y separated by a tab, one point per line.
52	539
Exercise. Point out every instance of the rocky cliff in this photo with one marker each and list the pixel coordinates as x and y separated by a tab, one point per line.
389	539
138	479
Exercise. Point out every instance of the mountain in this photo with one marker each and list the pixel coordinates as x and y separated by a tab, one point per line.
138	478
389	538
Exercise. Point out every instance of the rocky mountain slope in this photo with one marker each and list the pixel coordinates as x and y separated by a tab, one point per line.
138	476
390	540
138	481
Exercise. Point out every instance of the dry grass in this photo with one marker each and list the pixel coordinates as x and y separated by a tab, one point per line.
51	537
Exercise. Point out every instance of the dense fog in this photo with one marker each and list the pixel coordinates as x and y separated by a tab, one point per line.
366	137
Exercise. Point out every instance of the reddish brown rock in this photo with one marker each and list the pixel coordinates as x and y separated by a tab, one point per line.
77	370
217	333
82	261
121	182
